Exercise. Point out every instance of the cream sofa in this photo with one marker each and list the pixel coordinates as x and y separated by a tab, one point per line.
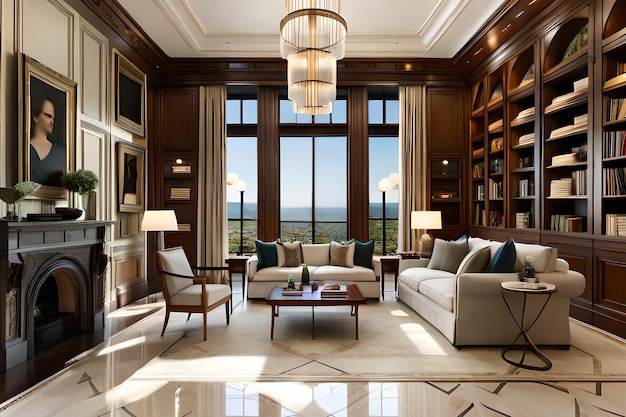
467	305
318	261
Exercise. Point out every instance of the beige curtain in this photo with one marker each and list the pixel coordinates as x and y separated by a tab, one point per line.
412	162
212	225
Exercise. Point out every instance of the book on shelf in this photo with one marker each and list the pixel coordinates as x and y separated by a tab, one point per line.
522	220
526	139
614	144
496	219
566	223
181	169
334	290
615	224
561	187
579	182
614	181
525	113
581	119
567	130
565	159
478	170
582	84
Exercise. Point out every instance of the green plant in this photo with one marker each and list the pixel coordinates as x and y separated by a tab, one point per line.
82	181
18	192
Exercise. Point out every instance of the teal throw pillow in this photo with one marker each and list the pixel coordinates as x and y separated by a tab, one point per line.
267	254
504	258
363	252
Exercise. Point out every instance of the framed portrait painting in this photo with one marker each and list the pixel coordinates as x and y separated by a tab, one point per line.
130	171
49	128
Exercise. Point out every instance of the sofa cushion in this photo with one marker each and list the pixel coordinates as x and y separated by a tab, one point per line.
266	253
504	258
477	242
447	255
342	255
331	273
543	257
289	253
363	252
475	261
441	291
413	276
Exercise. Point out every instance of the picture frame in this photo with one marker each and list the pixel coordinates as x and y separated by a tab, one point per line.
130	95
46	149
130	174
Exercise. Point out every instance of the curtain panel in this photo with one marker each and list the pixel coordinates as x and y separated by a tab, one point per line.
212	225
412	162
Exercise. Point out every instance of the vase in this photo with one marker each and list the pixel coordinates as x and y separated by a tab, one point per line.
89	205
13	212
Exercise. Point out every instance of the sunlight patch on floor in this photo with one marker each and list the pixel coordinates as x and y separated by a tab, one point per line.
423	342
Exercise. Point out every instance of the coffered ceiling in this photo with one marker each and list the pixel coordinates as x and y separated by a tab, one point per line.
250	28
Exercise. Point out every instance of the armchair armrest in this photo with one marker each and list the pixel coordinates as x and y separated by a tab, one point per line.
412	263
252	264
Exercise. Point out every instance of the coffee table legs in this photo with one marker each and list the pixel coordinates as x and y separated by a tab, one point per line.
354	312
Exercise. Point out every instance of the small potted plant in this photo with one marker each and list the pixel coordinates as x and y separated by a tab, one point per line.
527	273
83	182
12	196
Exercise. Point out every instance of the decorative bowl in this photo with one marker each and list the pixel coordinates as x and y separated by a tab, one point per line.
69	213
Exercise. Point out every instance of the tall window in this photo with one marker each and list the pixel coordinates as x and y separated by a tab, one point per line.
383	120
241	159
314	174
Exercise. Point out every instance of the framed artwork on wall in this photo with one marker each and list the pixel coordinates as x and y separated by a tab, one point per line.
130	95
49	120
130	174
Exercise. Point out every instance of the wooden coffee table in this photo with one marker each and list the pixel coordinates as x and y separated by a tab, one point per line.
314	299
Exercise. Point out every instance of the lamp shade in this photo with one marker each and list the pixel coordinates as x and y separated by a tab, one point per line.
240	186
231	178
426	220
159	221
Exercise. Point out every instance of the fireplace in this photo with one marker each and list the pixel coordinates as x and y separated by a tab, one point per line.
53	280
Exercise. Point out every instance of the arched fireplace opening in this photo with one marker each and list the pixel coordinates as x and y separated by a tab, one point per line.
56	301
54	314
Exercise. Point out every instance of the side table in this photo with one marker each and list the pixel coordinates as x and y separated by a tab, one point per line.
237	265
513	288
388	264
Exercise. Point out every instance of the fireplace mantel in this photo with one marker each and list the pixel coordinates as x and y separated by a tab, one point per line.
70	251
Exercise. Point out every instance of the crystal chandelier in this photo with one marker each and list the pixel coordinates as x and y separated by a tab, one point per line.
312	40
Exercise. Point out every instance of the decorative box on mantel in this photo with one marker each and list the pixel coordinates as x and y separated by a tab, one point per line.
52	277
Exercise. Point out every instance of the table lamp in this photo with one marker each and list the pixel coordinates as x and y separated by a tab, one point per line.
426	220
159	221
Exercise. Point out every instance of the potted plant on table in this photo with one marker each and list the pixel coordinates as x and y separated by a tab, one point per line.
527	274
12	196
84	183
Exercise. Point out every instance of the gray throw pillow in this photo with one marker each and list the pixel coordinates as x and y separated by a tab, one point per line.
475	261
292	253
342	255
447	255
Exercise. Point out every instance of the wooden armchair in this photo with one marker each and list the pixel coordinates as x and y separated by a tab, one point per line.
184	291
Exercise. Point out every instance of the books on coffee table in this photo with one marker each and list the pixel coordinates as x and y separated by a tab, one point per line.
291	291
334	290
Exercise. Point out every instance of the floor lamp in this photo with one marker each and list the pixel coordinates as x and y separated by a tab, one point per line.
425	220
388	183
240	186
159	221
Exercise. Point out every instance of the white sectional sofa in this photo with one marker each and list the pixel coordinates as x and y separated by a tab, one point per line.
465	303
351	269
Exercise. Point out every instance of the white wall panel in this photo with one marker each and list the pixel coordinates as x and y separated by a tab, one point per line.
48	34
94	64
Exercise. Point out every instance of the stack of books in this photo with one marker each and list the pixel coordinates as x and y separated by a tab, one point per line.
526	113
565	159
615	224
566	223
579	182
334	290
495	126
561	187
526	139
522	220
291	291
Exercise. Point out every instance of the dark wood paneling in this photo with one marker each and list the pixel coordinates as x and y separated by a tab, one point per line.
179	121
358	165
445	120
269	165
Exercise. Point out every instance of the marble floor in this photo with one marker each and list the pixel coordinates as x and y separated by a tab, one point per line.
135	372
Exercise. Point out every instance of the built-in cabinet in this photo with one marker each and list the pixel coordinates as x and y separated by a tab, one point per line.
562	163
